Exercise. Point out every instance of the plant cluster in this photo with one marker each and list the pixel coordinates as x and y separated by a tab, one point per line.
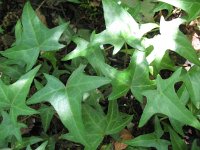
76	92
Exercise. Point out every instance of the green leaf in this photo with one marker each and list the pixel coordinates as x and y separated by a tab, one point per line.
116	121
42	146
27	141
135	77
164	100
66	103
174	40
9	68
192	83
128	30
8	128
176	140
46	114
195	145
13	96
151	139
35	37
190	6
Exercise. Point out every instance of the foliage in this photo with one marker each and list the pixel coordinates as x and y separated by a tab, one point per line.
90	79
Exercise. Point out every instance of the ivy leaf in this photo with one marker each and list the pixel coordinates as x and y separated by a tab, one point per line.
192	83
174	40
7	128
190	6
151	139
116	121
35	37
9	68
164	100
128	30
177	141
135	77
42	146
27	141
13	96
46	114
66	103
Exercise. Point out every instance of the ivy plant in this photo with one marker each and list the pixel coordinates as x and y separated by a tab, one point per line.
86	92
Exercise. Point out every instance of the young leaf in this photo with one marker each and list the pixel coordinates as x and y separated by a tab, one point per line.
35	37
13	96
164	100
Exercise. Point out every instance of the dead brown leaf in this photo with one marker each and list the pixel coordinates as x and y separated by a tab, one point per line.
124	135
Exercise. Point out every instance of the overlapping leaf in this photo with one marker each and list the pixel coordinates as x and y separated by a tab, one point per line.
34	37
